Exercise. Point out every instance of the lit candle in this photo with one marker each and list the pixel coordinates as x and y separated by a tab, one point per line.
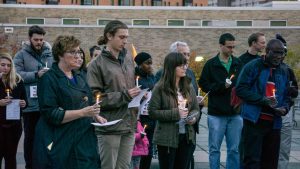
145	126
199	91
231	77
7	92
274	91
184	103
98	98
137	81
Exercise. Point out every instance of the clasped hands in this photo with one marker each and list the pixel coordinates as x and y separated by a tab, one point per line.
183	113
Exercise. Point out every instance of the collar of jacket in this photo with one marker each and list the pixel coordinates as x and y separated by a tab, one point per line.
45	49
60	73
108	54
216	61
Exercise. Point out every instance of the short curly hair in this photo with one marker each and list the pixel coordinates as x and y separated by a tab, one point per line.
62	44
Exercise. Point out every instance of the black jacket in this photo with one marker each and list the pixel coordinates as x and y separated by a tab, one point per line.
212	80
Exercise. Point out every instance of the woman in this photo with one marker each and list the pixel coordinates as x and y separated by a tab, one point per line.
64	135
144	70
174	105
11	87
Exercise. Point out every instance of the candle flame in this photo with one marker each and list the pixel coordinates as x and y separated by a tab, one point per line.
137	78
274	91
98	96
231	77
145	126
7	90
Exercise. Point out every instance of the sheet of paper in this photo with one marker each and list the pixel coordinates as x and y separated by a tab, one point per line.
136	101
107	123
13	110
143	109
33	91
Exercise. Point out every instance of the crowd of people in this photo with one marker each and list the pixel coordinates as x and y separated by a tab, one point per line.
58	96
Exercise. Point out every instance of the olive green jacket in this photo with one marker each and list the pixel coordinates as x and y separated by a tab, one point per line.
164	109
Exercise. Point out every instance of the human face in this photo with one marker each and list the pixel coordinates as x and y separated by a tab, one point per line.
275	55
227	48
260	45
96	53
5	66
37	41
72	58
119	40
147	66
185	50
181	70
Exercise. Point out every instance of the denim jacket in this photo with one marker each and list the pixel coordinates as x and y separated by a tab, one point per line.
251	87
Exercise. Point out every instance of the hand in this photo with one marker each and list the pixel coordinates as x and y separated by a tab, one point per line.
271	101
199	98
22	103
143	134
5	102
91	111
191	121
41	72
183	113
100	119
134	92
280	111
228	83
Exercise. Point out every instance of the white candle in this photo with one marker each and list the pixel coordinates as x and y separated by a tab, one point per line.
145	126
199	91
98	99
231	77
274	91
46	65
7	92
137	81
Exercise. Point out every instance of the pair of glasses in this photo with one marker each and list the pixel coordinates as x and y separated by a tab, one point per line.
184	66
75	53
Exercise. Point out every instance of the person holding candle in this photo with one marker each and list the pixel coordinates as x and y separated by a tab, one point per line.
174	135
262	111
11	87
64	135
222	120
146	79
30	63
112	74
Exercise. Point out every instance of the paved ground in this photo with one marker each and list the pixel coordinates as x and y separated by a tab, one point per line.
201	153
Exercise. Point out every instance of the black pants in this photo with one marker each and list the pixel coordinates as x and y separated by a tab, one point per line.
261	145
176	158
30	120
9	139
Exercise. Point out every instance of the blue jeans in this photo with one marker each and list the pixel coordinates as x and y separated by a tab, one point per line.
230	127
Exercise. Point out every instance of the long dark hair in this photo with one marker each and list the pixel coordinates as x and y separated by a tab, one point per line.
168	80
111	28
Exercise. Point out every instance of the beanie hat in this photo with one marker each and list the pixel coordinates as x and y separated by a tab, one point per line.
141	57
279	37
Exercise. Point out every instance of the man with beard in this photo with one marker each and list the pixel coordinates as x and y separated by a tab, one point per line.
32	61
262	84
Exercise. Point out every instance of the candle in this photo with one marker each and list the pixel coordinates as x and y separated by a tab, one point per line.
46	65
7	92
98	98
231	77
145	126
137	81
199	91
274	91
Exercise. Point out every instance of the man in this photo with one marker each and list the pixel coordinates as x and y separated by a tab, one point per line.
262	84
287	121
183	48
112	74
32	61
95	51
257	43
222	120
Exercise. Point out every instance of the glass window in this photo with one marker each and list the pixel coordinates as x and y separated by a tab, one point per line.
86	2
243	23
140	22
71	21
206	23
103	22
174	22
35	21
278	23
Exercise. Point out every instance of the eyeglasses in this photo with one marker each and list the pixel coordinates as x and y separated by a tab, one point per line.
186	54
75	53
183	66
230	47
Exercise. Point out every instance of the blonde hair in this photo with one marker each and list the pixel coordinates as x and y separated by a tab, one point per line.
12	78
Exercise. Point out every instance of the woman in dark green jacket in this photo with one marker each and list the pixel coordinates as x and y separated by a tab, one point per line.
64	137
174	105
